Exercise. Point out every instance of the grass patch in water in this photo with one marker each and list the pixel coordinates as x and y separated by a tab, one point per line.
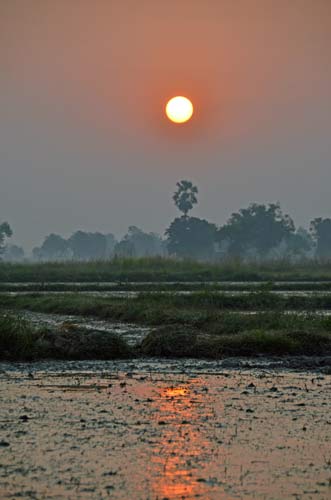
158	308
198	325
18	339
21	341
169	342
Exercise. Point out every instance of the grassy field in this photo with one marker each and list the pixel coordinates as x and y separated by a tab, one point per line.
164	270
200	325
179	286
20	341
158	307
207	323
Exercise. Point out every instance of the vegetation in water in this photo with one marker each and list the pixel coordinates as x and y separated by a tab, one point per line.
19	340
146	306
197	325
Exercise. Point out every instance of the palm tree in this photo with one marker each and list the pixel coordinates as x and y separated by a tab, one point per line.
185	196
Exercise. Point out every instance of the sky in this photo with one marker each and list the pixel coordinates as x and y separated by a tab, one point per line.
84	141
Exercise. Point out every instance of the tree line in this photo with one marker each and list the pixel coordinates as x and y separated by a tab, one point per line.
259	231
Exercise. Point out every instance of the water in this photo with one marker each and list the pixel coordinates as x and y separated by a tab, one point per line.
132	334
152	430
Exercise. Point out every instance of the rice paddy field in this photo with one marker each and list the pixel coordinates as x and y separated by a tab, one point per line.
157	269
159	379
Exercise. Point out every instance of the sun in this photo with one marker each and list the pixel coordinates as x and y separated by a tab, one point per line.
179	109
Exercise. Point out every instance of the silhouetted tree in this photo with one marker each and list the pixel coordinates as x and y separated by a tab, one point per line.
53	248
80	246
5	232
300	243
110	244
295	246
36	253
124	248
13	253
88	246
191	237
321	231
185	196
256	230
137	243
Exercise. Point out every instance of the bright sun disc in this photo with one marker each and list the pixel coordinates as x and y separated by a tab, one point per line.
179	109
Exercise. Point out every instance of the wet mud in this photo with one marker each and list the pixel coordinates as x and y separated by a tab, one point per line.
132	334
151	429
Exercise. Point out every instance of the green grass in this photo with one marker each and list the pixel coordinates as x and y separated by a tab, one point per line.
20	341
204	324
158	308
213	313
164	270
166	287
167	342
193	326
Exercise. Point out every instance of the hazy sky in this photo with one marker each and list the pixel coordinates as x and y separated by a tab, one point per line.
84	143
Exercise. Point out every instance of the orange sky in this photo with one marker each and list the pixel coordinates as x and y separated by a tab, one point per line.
83	87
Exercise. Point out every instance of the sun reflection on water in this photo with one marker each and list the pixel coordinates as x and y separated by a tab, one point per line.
182	444
175	392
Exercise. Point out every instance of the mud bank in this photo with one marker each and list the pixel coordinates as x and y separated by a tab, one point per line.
32	336
132	334
154	430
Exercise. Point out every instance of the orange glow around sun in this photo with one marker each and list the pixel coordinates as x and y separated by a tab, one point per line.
179	109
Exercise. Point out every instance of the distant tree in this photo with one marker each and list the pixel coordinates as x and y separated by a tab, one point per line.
137	243
300	243
88	246
54	248
36	253
256	230
5	232
191	237
296	246
13	253
185	197
110	244
124	248
321	232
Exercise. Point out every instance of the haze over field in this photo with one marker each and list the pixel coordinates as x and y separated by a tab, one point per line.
84	142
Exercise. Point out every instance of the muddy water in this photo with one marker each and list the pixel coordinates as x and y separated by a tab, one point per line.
132	334
157	430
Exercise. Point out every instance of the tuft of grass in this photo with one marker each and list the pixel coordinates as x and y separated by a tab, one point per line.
177	342
19	341
73	342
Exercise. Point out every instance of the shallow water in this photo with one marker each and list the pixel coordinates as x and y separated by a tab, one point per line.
132	334
155	430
